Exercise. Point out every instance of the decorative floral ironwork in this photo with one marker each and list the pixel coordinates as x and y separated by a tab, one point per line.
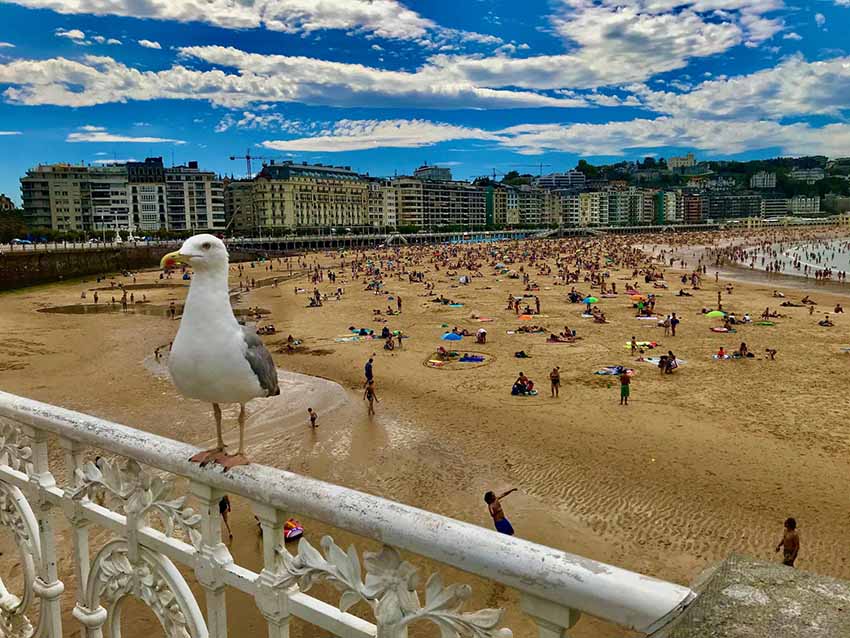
139	494
14	450
16	515
389	589
114	577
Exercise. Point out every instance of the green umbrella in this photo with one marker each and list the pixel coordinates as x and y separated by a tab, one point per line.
590	300
715	313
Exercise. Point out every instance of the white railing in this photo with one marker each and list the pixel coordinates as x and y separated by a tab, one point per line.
153	529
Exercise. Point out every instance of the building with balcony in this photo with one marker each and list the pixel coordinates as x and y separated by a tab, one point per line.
774	207
763	179
194	199
572	179
239	206
56	196
290	195
732	206
803	205
382	204
808	175
433	173
147	194
430	204
108	199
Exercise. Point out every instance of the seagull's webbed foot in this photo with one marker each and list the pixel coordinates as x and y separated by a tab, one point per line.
228	461
209	456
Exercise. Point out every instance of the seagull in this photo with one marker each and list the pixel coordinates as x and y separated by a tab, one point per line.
213	357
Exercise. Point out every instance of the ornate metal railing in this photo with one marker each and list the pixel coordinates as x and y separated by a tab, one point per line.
153	529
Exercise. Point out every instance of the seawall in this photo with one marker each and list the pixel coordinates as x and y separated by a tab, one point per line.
32	267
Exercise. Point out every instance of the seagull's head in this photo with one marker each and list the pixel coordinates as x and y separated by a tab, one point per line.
201	252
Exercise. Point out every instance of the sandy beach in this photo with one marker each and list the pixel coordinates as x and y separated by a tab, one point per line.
706	461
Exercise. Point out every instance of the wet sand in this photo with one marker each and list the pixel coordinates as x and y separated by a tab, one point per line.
706	461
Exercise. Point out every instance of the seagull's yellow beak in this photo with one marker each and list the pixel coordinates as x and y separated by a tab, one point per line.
171	260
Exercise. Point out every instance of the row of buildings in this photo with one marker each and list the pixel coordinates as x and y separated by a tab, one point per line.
140	196
147	196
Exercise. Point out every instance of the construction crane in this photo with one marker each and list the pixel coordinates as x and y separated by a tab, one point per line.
539	166
248	157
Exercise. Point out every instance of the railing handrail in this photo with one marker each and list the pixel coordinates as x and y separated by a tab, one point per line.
607	592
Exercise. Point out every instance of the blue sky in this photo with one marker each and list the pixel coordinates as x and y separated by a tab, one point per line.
384	85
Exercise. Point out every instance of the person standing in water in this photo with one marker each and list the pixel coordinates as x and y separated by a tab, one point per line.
790	543
494	505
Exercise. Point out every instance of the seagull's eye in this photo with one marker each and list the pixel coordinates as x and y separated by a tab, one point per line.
206	246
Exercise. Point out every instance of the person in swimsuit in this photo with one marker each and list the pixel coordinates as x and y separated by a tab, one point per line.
494	505
790	543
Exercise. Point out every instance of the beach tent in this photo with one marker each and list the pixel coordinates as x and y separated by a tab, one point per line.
451	336
715	313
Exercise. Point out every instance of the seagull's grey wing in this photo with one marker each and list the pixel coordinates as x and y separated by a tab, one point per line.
261	362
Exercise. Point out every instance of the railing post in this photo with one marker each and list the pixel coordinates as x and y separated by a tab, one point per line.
552	620
213	555
80	535
272	601
47	585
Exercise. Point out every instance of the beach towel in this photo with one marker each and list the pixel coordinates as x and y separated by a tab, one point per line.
643	344
609	295
347	339
484	319
652	318
435	363
471	359
721	329
455	305
586	315
615	371
764	323
717	356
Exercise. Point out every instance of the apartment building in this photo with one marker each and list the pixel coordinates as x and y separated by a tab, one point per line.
763	179
731	206
430	204
382	204
572	179
146	183
239	206
808	175
290	195
108	204
433	173
774	207
802	205
55	196
194	199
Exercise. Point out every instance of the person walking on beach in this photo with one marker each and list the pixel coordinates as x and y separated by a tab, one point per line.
790	542
224	509
370	396
625	385
398	303
494	505
368	370
674	323
555	380
313	418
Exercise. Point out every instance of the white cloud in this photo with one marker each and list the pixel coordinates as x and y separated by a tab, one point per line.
820	19
794	36
388	19
99	39
613	44
260	78
10	133
150	44
6	45
257	121
355	135
113	41
73	34
794	87
90	133
611	138
842	3
114	161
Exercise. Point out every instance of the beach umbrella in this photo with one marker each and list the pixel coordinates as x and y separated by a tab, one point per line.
451	336
590	300
637	298
715	313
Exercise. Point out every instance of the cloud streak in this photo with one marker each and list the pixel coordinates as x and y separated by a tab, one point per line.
89	133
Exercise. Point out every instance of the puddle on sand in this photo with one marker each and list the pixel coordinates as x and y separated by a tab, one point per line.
137	308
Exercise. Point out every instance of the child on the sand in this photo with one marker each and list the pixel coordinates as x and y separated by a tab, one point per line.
313	418
494	505
790	543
